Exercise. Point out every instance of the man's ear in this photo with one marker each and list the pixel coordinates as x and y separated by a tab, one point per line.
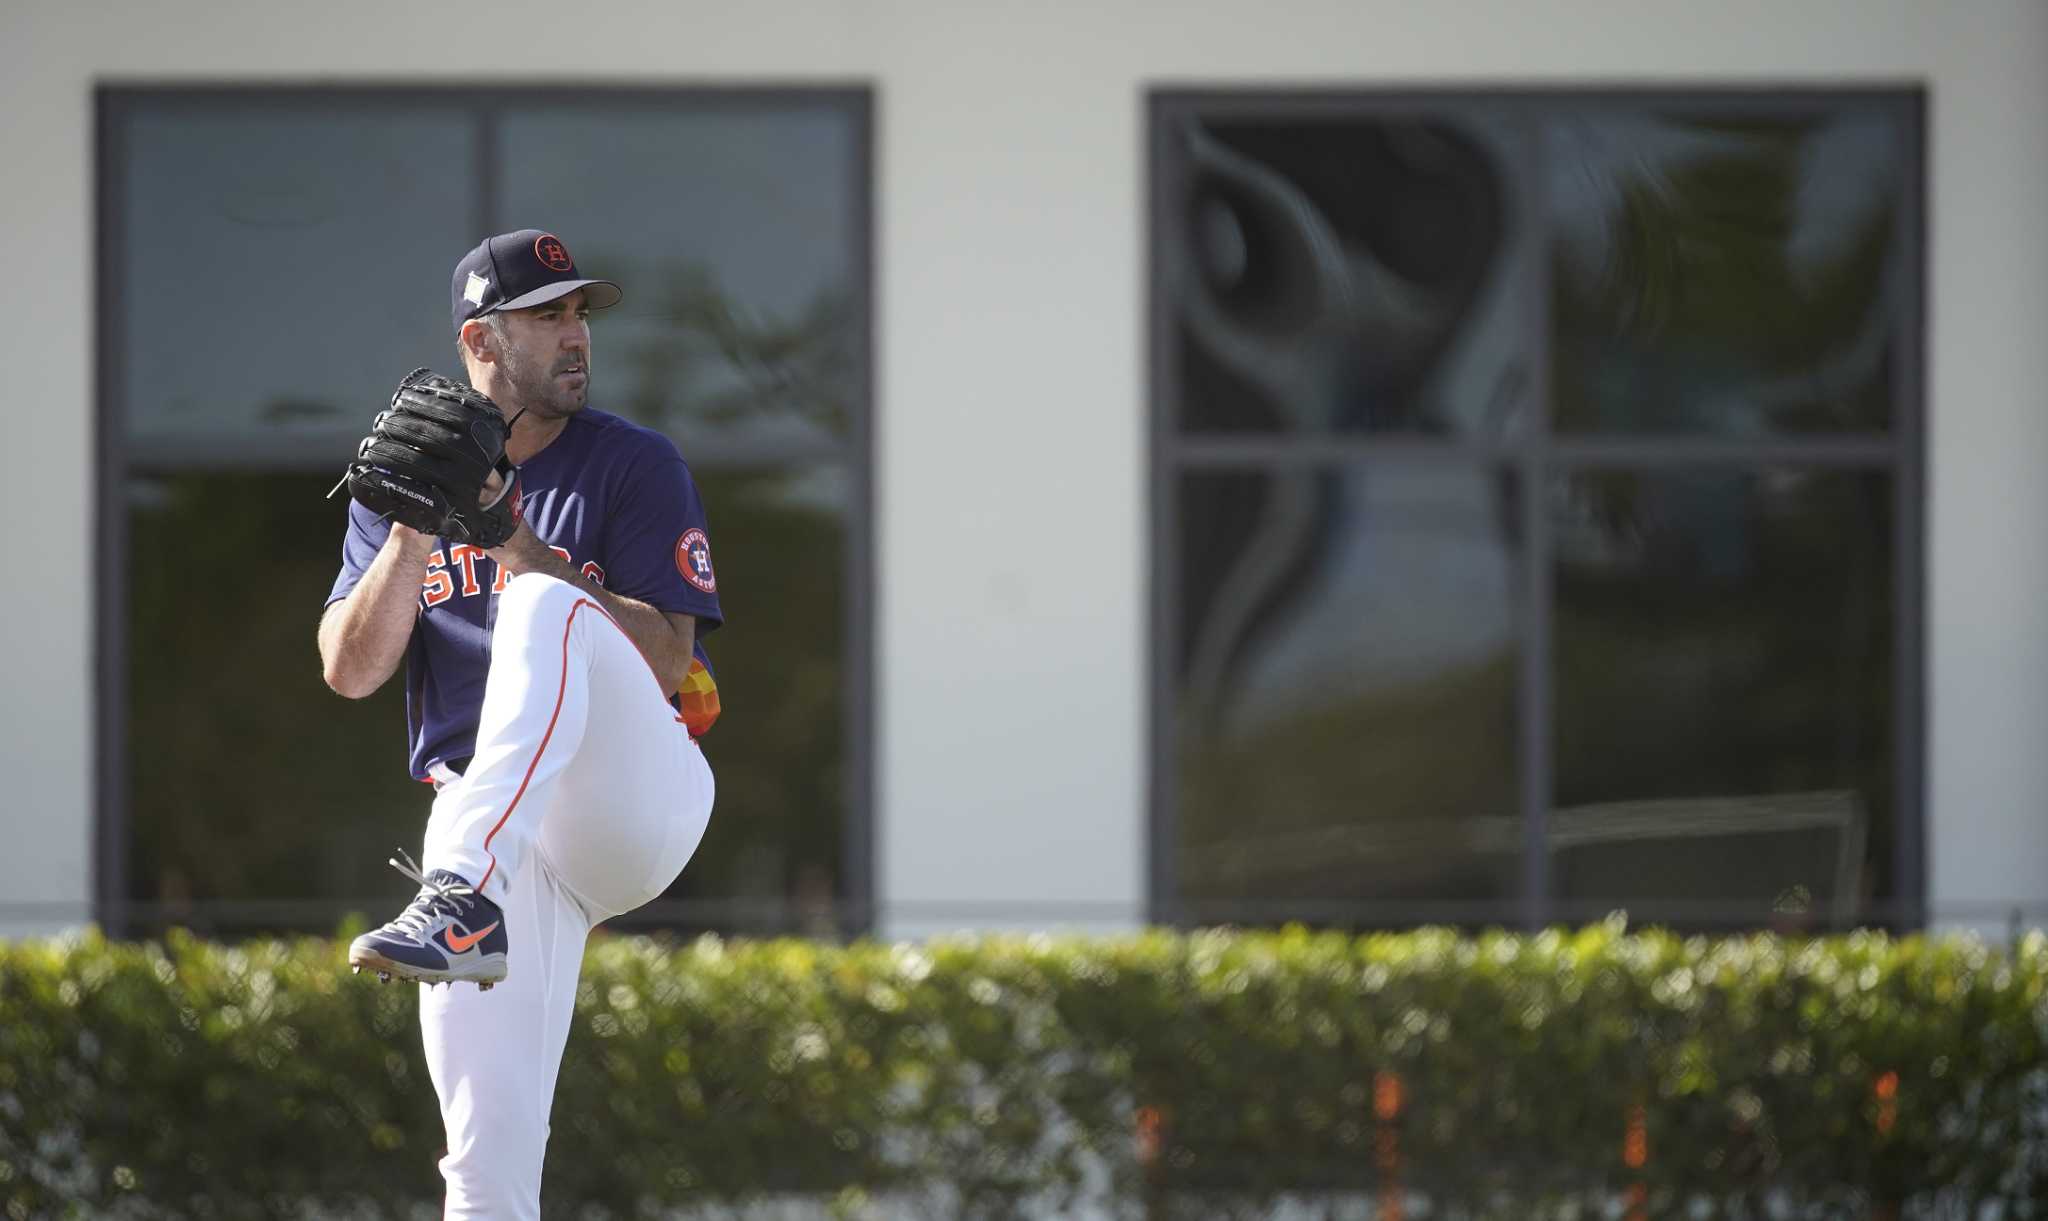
477	341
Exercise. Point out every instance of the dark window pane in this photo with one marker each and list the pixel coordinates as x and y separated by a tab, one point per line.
248	780
773	854
732	233
1346	714
1345	274
310	245
1729	278
1723	690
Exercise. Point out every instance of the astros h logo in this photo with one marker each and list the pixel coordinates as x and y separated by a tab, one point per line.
551	252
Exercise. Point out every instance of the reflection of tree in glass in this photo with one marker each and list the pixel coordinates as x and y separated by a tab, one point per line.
247	778
1374	786
779	750
715	359
1371	799
775	842
1701	306
1728	633
1739	644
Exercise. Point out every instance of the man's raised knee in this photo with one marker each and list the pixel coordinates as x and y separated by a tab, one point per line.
536	588
533	606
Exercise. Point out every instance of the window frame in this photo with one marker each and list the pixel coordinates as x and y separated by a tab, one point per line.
1537	456
116	458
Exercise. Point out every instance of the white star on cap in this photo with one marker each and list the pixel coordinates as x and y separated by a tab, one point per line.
474	291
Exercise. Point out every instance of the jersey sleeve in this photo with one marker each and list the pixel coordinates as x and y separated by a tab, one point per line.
365	538
658	544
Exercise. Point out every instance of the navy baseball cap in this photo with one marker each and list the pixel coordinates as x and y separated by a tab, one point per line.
518	271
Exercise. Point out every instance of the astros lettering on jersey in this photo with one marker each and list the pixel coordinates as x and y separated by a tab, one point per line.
573	501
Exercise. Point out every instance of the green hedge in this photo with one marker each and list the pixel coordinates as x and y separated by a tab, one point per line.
1199	1075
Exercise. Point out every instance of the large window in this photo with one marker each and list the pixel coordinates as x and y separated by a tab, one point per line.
273	260
1536	491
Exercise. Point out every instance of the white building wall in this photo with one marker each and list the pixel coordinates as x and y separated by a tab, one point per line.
1010	390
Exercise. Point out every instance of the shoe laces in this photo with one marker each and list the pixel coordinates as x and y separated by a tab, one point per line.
433	898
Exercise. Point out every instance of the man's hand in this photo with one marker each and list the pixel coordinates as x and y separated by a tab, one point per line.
524	552
411	543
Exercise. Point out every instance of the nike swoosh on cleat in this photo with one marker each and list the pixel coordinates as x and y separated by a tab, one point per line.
460	944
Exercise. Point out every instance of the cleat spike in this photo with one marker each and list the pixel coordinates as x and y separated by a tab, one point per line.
383	977
355	968
485	987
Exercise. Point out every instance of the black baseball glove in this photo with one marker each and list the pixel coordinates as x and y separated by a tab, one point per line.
428	457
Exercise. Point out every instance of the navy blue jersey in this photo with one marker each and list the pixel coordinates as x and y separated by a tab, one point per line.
614	499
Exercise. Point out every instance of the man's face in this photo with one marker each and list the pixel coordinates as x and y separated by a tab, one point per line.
546	356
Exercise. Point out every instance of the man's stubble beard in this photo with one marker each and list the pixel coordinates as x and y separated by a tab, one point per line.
535	388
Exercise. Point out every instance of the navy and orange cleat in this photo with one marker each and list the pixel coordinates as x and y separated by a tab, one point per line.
448	934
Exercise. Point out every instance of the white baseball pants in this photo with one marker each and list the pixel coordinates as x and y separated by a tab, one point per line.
584	800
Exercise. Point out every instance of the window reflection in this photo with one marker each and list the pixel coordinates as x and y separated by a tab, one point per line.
1722	277
1723	644
1345	275
277	790
1346	724
775	844
733	236
272	236
1440	284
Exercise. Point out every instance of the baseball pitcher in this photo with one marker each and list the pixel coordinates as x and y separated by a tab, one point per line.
544	571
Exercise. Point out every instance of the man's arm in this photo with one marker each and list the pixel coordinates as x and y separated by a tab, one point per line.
363	636
666	640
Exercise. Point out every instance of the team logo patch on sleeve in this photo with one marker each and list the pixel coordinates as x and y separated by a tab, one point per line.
693	560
